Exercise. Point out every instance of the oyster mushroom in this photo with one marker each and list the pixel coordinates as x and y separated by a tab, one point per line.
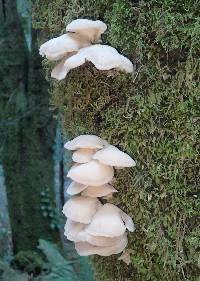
109	221
92	173
72	229
103	57
81	209
98	191
112	156
86	249
100	241
59	47
83	155
85	141
75	188
91	30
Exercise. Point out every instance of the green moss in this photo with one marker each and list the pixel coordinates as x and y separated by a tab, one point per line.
152	115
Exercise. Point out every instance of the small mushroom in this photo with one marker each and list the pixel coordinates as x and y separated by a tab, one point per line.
83	155
90	29
86	249
85	141
109	221
98	191
103	57
81	208
100	241
59	47
75	188
112	156
72	229
92	173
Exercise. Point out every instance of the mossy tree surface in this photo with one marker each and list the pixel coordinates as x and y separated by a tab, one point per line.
152	115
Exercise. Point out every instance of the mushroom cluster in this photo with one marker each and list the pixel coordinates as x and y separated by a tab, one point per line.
79	44
94	227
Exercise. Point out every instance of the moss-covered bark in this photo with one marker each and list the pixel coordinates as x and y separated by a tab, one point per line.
152	115
27	133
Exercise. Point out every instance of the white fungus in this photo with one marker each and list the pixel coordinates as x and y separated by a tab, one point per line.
112	156
92	173
90	29
81	208
75	188
72	230
103	57
108	222
59	47
86	249
83	155
100	241
85	141
98	191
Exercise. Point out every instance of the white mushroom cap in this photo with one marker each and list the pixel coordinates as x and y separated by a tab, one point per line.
90	29
75	188
99	191
103	57
81	208
59	47
85	141
92	173
72	229
100	241
108	222
111	155
86	249
58	72
83	155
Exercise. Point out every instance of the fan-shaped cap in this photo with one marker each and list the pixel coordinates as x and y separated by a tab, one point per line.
90	29
100	241
83	155
85	141
59	47
86	249
81	208
75	188
111	155
108	222
72	230
58	72
103	57
99	191
92	173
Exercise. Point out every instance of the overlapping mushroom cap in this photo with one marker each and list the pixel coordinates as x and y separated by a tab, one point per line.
92	173
72	229
101	241
61	46
90	191
81	209
86	249
103	57
109	221
85	141
99	191
75	188
90	29
112	156
83	155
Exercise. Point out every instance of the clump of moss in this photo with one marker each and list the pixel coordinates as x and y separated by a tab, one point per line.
152	115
